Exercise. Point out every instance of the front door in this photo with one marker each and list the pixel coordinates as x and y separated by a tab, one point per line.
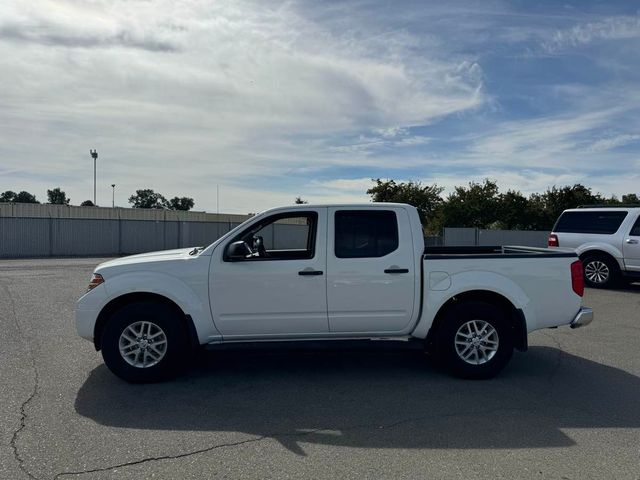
370	267
631	248
280	290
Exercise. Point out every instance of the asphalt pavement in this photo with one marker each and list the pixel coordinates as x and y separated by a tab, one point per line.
569	408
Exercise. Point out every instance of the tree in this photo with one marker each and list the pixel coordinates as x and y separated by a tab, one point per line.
513	211
57	197
8	196
25	197
472	206
87	203
426	198
147	198
182	203
300	201
630	198
549	205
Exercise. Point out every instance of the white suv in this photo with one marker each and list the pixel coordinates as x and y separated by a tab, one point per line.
607	240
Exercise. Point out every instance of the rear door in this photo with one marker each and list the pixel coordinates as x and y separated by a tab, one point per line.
370	270
631	248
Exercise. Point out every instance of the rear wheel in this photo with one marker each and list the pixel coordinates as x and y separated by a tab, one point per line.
474	340
600	271
145	342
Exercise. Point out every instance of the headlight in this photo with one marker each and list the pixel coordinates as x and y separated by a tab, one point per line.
96	280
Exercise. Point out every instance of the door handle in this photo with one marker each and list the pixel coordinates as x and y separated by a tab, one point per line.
396	270
310	272
631	241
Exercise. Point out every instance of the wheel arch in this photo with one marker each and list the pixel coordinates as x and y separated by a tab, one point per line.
515	315
595	252
126	299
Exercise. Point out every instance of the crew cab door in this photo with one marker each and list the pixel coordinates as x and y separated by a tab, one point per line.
631	248
370	270
279	290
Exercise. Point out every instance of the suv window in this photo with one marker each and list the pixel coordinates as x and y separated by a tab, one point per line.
635	230
604	223
365	233
289	236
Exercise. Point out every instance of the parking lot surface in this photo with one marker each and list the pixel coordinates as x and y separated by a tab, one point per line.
567	408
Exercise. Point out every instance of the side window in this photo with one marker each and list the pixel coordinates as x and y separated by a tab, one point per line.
635	230
365	233
289	236
604	222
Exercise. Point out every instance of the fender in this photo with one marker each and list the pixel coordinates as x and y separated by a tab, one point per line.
172	288
469	281
603	247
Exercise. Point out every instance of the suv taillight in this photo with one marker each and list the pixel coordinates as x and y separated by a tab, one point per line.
553	240
577	277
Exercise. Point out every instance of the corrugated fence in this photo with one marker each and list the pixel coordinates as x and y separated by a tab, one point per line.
481	237
59	230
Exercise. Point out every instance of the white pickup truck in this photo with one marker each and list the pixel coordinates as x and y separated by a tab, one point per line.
328	272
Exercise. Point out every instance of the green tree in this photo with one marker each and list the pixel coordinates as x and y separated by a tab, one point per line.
514	211
8	196
554	201
630	198
426	198
473	206
87	203
300	201
57	197
147	198
182	203
25	197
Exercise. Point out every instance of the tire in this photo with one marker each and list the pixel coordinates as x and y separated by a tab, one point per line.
600	271
481	360
145	342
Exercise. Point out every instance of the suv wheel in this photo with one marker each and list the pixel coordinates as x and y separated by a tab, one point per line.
599	272
145	342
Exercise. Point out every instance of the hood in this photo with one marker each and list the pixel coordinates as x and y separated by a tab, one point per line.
149	257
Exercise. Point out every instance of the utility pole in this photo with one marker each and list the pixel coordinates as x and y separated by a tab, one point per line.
113	195
94	155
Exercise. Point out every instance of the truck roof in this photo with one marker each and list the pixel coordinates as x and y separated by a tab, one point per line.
340	205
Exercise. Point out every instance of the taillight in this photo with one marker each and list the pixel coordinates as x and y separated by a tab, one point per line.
96	280
577	277
553	240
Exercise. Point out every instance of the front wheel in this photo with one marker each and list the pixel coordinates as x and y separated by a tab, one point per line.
145	342
474	340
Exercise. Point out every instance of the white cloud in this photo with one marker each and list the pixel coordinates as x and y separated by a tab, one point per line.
198	92
609	143
611	28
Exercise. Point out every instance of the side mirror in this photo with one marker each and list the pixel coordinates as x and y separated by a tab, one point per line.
238	251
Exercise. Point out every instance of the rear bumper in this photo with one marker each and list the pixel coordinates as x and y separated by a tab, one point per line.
582	318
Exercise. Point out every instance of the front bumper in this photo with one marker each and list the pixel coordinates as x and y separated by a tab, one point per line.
582	318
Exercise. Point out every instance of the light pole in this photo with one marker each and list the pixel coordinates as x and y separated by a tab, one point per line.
113	195
94	155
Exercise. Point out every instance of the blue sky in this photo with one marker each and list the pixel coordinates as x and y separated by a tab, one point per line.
271	100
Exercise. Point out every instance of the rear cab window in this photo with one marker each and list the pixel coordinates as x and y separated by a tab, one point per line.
600	223
365	233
